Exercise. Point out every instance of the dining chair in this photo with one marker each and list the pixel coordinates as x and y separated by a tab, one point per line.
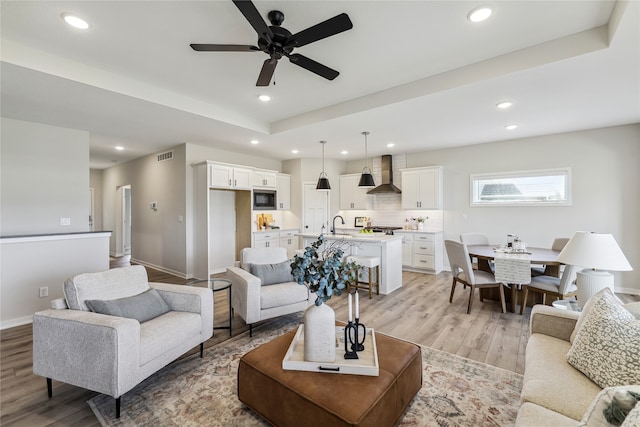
558	244
560	288
477	239
463	272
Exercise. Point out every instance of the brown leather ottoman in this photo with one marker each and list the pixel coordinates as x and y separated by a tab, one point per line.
297	398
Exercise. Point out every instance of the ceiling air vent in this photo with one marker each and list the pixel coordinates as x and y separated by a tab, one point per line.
163	157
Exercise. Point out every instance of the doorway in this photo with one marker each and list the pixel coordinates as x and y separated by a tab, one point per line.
315	209
123	221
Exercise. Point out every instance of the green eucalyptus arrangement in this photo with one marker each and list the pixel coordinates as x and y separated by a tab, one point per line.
324	271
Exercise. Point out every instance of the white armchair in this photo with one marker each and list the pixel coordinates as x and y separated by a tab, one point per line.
273	294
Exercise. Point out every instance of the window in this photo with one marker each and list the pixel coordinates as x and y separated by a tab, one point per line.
550	187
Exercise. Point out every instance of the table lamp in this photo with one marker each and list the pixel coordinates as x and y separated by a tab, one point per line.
597	253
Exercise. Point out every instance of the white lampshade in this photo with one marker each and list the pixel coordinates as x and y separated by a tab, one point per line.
596	251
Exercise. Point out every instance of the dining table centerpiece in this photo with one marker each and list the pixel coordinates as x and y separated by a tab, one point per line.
323	269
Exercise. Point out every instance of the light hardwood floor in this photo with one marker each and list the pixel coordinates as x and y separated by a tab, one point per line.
419	312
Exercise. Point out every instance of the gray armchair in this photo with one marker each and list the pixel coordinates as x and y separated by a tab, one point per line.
111	354
255	298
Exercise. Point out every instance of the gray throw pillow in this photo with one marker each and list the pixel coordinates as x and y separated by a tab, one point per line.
271	274
142	307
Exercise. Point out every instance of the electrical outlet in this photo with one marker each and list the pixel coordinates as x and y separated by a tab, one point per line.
65	221
44	292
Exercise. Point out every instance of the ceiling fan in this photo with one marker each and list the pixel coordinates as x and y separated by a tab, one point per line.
277	41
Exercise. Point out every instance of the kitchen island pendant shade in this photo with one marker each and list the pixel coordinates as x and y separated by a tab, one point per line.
323	180
366	179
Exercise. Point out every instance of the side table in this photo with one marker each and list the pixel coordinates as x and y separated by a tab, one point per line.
566	304
217	285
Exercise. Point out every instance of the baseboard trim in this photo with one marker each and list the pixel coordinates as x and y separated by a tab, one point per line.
160	268
19	321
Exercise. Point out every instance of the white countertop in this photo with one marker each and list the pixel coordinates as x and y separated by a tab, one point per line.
354	237
426	230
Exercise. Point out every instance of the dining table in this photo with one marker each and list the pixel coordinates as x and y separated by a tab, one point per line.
543	256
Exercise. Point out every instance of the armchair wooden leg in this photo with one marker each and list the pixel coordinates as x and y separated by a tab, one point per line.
201	350
504	306
251	330
118	406
49	388
453	289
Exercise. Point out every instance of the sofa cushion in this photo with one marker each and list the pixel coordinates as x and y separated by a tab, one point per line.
271	274
633	417
282	294
111	284
550	381
595	415
142	307
634	308
607	345
532	415
167	332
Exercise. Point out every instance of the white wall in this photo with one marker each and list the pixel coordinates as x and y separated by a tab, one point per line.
44	176
95	182
605	189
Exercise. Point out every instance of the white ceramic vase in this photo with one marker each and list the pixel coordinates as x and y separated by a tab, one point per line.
320	334
420	225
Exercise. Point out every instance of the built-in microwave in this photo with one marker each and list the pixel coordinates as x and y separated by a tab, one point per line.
264	200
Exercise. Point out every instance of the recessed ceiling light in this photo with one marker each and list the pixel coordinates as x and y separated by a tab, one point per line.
264	98
294	151
75	22
511	127
344	152
119	148
504	105
255	142
479	14
391	144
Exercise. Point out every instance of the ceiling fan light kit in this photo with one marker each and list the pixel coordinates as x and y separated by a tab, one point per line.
277	41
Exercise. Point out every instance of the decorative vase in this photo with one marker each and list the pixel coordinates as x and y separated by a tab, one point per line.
320	334
420	225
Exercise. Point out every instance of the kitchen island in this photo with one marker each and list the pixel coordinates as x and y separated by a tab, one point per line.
388	248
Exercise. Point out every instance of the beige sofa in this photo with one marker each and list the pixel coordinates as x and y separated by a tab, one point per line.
554	393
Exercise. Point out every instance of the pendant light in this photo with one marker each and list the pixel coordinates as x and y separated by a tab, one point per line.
366	179
323	181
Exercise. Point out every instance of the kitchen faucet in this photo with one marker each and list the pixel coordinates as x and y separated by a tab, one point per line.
333	230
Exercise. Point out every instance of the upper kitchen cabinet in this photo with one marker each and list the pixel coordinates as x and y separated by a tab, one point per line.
226	176
422	188
264	179
352	196
283	191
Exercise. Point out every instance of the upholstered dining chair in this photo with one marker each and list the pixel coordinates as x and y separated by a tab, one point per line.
471	239
558	244
560	288
463	272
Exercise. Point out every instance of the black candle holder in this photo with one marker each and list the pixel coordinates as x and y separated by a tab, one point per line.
349	331
358	345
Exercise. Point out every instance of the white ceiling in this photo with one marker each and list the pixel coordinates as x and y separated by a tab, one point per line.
416	73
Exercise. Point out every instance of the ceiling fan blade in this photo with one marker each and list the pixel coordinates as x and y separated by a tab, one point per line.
223	48
252	15
328	28
268	68
313	66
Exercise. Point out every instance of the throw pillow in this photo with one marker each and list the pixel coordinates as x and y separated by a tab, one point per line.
271	274
585	311
595	415
633	417
142	307
607	345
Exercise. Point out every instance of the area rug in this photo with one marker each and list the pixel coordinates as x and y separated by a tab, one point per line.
202	392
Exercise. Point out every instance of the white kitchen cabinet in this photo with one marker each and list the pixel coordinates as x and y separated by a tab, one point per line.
422	188
226	176
266	239
352	196
264	179
289	240
283	191
407	248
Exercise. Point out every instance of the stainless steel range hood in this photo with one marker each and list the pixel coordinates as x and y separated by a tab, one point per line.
387	186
